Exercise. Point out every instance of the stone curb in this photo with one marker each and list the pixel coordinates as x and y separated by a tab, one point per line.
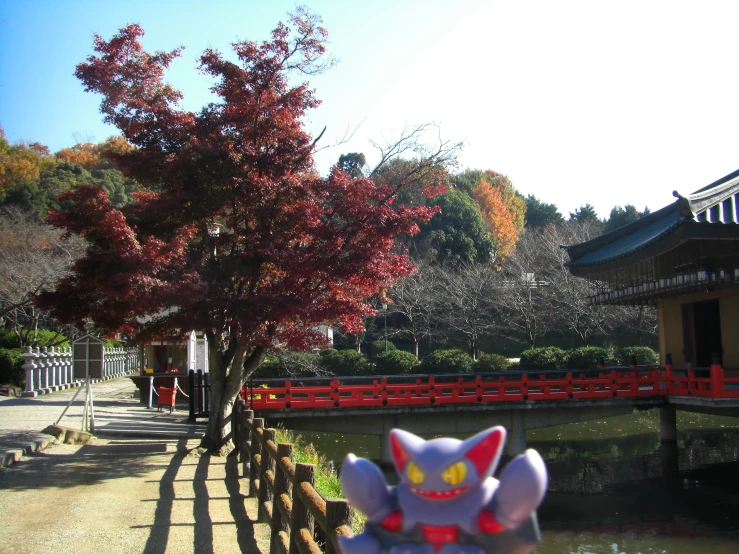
11	457
104	434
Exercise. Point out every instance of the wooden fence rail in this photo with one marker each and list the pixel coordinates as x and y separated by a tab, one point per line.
301	521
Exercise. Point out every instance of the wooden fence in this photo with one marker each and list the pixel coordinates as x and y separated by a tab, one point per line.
300	519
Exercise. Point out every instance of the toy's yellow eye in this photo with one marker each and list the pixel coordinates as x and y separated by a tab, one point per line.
415	474
454	474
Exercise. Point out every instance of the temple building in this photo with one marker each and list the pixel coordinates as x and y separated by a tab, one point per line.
684	259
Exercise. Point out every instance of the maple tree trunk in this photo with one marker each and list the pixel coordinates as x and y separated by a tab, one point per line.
226	380
225	383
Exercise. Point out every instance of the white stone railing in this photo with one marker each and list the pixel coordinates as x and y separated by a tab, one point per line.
51	369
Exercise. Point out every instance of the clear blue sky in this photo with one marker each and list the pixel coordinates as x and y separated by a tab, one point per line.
577	102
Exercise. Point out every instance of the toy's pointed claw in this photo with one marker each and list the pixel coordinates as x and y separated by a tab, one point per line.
365	487
521	490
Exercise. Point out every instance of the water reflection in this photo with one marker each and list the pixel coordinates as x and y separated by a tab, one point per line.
615	489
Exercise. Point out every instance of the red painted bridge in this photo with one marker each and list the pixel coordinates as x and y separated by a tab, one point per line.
507	387
465	404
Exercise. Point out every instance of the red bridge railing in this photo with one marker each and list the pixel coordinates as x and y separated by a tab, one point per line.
410	390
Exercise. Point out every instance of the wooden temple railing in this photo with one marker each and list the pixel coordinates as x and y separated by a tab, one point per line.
301	521
568	385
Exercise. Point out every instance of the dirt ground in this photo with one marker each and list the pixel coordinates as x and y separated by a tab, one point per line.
127	496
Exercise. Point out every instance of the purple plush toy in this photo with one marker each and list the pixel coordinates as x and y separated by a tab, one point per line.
447	501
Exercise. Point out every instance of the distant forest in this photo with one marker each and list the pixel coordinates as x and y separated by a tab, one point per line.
490	278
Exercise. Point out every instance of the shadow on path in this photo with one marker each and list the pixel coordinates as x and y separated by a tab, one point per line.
244	526
205	474
159	533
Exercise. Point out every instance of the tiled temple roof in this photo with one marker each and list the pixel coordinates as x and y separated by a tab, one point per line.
711	212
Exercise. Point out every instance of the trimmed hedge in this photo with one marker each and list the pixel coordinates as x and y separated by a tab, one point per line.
396	362
379	347
644	355
345	363
448	361
548	357
492	362
588	357
350	363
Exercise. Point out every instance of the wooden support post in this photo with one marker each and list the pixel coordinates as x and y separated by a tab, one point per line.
338	514
667	424
267	464
283	486
516	443
256	456
302	518
386	455
670	459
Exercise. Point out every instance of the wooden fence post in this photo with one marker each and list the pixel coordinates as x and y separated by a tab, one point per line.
338	515
246	448
281	500
236	425
301	518
266	478
256	457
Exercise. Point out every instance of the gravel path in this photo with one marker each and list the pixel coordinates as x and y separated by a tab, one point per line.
127	496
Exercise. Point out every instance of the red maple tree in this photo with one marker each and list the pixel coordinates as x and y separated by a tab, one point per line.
239	237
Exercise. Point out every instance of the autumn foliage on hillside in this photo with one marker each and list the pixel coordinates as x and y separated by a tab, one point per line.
502	210
95	156
236	236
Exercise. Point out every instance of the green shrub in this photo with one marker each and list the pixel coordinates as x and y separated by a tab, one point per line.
11	367
379	347
448	361
492	362
44	337
548	357
396	362
588	357
8	339
644	355
345	363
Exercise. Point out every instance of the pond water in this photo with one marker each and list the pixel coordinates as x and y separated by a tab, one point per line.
615	489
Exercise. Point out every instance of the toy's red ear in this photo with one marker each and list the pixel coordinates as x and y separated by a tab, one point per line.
486	452
400	454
